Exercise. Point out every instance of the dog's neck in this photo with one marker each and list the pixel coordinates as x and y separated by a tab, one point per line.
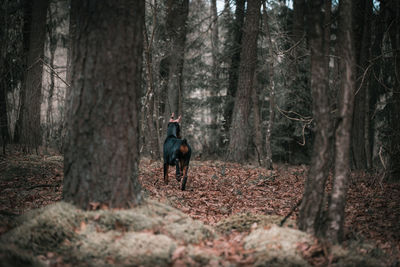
173	129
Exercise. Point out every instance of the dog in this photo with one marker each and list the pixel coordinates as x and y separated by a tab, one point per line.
176	152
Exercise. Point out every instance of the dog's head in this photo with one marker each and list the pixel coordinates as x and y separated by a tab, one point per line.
173	127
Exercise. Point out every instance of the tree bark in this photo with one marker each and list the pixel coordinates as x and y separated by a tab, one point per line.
213	133
336	208
394	32
177	14
312	204
29	132
102	146
236	46
239	131
152	137
362	12
268	149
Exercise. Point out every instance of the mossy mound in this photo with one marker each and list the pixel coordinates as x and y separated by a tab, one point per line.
10	256
277	246
243	222
146	235
45	229
358	254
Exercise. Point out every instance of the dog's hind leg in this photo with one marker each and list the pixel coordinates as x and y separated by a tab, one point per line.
178	173
185	170
165	173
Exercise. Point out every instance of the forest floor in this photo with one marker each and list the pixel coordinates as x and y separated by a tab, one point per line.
217	190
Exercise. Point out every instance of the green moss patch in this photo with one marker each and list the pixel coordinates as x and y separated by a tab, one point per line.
243	222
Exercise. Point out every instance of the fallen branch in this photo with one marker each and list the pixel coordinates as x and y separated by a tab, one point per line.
43	185
291	211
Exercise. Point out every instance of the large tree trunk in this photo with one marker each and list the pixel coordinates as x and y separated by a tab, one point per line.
236	46
102	148
312	204
29	127
362	12
336	212
240	130
394	151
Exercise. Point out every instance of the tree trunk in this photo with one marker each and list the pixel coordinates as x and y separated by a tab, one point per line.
236	33
362	12
336	212
3	116
29	133
213	133
257	124
177	13
102	147
148	108
268	160
53	45
394	152
312	204
239	131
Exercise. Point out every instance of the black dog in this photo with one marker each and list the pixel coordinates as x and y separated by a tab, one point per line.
176	152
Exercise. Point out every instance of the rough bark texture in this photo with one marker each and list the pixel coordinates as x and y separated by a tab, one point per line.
30	134
236	33
394	161
102	151
151	135
362	12
335	218
298	19
312	204
258	140
4	82
213	132
239	131
268	149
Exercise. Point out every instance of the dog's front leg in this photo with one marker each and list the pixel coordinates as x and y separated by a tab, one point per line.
178	173
166	173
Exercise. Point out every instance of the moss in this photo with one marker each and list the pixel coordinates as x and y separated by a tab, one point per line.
277	246
242	222
44	230
126	249
11	256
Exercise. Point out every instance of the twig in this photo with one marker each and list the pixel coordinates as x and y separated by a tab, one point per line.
291	211
43	185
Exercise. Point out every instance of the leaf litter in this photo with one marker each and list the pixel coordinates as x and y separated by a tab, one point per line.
235	199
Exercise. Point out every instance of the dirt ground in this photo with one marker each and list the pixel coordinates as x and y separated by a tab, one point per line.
217	190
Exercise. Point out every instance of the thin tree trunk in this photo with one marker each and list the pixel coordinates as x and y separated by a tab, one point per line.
239	132
312	204
257	123
236	33
53	46
213	133
336	212
102	147
268	163
152	138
